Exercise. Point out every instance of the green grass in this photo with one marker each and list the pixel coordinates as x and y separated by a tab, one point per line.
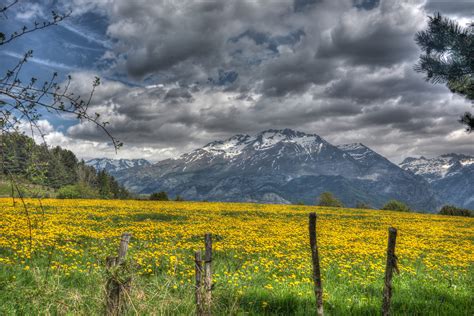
27	189
42	291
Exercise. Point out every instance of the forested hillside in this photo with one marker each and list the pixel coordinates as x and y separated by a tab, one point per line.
56	168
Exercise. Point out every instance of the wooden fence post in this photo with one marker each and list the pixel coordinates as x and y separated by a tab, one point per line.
318	288
208	273
391	266
198	290
115	304
203	290
123	247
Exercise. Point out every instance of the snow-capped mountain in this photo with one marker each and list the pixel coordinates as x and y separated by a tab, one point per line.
114	165
451	176
281	166
439	167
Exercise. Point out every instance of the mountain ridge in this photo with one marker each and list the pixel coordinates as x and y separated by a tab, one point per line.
281	166
450	175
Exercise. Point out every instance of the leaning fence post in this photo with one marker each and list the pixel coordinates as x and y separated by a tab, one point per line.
198	290
391	266
318	288
115	289
208	273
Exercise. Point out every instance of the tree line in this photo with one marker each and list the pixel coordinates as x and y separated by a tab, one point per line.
329	200
56	168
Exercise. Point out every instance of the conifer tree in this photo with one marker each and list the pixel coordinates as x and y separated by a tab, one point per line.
448	58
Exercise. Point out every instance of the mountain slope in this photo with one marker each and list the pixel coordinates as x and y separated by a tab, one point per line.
451	177
280	166
114	165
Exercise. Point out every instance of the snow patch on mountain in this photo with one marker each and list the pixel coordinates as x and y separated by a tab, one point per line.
467	162
357	151
230	147
435	168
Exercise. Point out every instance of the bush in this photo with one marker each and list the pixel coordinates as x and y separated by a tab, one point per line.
455	211
76	191
394	205
328	199
159	196
179	198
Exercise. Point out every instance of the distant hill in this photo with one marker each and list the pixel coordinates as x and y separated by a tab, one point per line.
451	177
114	165
281	166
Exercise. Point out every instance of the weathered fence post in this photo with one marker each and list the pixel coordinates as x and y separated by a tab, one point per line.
198	290
115	289
318	288
391	266
208	273
204	278
123	247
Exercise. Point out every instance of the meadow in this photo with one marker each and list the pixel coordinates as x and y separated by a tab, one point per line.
52	258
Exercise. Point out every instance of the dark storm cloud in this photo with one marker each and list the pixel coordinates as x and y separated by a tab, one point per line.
160	39
366	4
271	42
178	94
366	85
295	73
302	5
271	49
380	37
339	68
381	45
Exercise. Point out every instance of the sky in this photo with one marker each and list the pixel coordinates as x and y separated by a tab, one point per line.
178	74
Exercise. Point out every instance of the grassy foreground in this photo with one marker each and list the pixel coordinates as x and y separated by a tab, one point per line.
261	263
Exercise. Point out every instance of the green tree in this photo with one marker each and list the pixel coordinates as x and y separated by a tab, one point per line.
103	184
394	205
159	196
328	199
76	191
447	58
455	211
55	168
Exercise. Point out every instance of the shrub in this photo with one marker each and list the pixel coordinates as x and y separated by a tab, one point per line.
328	199
455	211
76	191
179	198
394	205
159	196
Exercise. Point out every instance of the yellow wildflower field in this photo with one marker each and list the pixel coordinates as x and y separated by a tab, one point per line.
254	244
